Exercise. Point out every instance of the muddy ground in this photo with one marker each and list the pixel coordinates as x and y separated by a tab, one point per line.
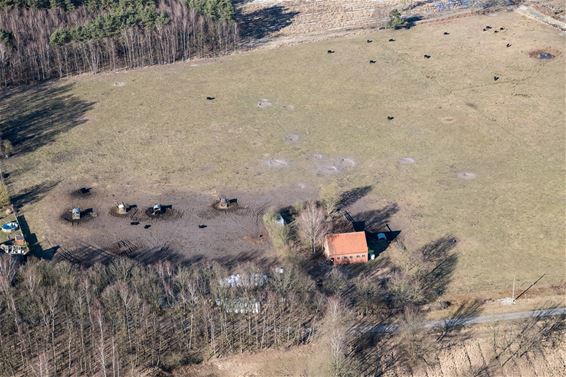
189	230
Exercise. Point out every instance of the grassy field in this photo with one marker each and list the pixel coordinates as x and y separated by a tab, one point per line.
465	155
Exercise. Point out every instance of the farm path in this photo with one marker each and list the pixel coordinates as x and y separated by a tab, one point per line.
467	321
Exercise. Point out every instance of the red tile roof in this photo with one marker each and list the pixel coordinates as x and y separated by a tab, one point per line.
347	243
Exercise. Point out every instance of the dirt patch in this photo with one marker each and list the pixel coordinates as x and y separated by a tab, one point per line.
119	84
292	138
264	103
466	175
209	213
189	229
346	163
130	209
230	204
407	161
167	212
82	192
543	54
276	163
255	239
328	169
447	120
328	166
86	215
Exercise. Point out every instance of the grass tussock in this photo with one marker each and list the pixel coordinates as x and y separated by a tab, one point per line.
4	195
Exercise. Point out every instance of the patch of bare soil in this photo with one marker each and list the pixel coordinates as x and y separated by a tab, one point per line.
188	229
82	192
276	163
292	138
407	161
447	120
330	166
467	175
167	212
264	103
129	210
85	216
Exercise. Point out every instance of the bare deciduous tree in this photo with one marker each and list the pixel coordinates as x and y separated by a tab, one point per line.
118	319
336	324
414	342
312	225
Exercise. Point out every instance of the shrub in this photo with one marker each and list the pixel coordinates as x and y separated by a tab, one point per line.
7	148
334	283
279	233
395	20
404	290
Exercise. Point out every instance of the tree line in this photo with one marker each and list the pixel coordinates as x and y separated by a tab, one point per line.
40	42
217	9
59	319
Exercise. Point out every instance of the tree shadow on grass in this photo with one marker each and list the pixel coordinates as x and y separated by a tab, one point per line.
257	257
374	220
411	21
454	324
31	117
374	352
263	22
438	254
347	198
32	194
537	334
89	255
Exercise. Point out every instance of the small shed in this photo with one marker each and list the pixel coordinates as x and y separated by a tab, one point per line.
346	248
